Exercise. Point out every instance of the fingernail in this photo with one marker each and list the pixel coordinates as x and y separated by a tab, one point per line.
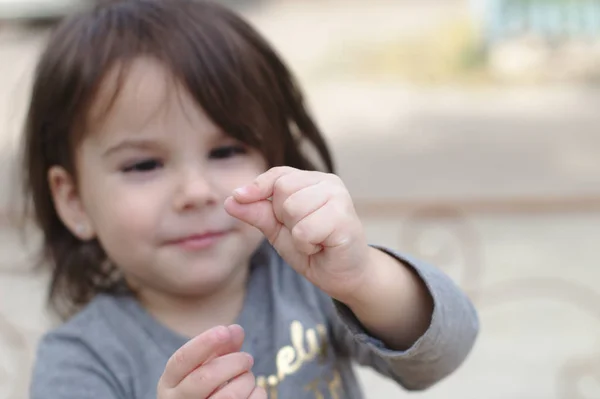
234	327
241	191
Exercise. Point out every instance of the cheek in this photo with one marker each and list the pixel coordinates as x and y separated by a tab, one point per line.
120	211
137	211
125	219
126	228
255	166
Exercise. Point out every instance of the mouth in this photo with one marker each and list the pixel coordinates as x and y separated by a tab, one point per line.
199	241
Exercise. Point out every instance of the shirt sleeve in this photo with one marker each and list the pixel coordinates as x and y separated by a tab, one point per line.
67	368
436	354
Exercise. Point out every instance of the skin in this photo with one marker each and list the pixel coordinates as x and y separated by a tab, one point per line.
155	175
152	172
211	366
310	219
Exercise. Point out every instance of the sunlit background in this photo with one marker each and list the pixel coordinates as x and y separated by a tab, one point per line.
468	134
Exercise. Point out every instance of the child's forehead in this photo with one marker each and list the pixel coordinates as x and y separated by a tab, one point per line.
140	87
142	94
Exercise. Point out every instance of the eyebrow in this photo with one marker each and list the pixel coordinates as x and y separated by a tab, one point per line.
135	144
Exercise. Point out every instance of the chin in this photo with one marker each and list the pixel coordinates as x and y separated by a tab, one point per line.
207	280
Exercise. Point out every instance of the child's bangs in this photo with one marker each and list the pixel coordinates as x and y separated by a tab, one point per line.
225	67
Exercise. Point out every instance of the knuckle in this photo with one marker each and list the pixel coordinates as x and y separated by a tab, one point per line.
338	194
333	178
178	359
290	208
300	233
283	184
283	168
302	242
204	376
339	208
340	191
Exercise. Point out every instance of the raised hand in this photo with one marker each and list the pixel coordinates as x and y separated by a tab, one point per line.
309	218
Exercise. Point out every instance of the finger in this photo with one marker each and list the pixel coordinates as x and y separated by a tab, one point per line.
240	387
325	227
302	203
235	345
197	351
291	183
237	336
205	380
258	214
263	185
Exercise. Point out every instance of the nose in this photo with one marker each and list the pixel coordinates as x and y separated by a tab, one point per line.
194	190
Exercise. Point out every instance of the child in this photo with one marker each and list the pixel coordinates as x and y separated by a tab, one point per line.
195	250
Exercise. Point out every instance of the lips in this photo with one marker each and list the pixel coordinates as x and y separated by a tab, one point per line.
199	241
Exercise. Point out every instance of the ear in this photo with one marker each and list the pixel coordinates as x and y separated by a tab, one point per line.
68	205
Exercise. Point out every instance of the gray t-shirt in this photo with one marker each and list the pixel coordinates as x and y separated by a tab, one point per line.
302	341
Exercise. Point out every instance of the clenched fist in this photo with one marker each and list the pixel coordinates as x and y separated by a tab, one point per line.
310	220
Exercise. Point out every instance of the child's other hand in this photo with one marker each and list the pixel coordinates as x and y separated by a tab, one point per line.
309	218
210	366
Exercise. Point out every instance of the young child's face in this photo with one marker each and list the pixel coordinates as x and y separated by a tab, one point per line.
152	178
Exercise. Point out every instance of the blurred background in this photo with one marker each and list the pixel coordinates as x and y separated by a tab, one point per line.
467	132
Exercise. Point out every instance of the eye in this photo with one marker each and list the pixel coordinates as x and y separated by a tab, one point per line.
147	165
228	151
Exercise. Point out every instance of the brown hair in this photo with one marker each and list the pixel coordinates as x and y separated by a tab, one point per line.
227	67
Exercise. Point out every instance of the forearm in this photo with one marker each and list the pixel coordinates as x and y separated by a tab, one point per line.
393	304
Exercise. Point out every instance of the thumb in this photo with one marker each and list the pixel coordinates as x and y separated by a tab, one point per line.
259	214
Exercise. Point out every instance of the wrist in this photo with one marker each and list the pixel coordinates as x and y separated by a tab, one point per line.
393	303
381	271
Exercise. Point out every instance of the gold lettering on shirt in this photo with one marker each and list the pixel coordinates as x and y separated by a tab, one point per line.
286	365
314	388
324	342
334	385
305	347
290	358
313	344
